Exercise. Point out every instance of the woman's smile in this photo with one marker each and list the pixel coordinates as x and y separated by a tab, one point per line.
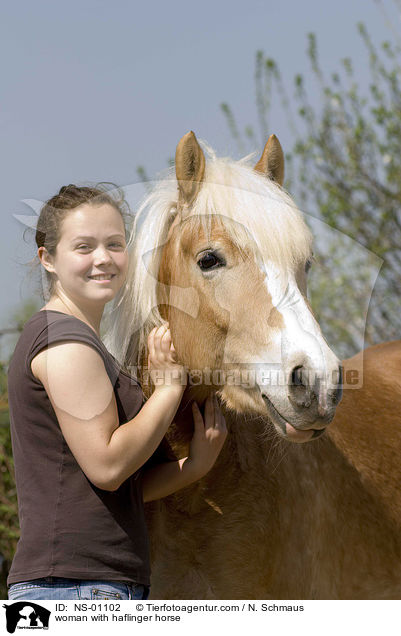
102	278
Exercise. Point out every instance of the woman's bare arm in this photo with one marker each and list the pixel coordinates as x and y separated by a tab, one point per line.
82	396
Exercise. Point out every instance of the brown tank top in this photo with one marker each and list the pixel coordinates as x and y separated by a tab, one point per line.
69	527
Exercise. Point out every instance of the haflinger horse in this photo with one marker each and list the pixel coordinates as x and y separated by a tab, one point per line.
289	510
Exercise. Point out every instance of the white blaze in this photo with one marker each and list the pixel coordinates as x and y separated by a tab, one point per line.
298	343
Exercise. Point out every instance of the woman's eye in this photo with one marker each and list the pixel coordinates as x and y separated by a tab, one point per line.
117	246
209	261
83	247
308	265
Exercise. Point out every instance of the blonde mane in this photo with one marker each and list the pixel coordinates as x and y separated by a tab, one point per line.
264	217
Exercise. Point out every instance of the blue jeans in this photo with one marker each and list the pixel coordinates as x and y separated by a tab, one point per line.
54	588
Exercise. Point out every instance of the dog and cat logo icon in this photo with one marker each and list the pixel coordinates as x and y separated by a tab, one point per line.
26	615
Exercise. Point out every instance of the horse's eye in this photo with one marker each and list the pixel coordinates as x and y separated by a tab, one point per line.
308	264
209	261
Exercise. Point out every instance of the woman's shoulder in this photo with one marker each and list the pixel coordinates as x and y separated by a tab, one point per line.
48	327
47	317
54	324
51	316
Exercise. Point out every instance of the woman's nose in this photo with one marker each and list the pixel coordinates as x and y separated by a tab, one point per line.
101	255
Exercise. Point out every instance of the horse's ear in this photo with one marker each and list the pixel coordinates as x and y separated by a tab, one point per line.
189	167
271	163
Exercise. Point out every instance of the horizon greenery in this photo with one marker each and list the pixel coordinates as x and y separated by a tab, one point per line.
344	169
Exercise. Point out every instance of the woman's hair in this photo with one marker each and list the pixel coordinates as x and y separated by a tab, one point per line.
54	211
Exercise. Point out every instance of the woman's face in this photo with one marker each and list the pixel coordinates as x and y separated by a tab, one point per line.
91	259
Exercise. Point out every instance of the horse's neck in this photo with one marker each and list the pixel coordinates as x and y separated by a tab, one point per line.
366	428
246	440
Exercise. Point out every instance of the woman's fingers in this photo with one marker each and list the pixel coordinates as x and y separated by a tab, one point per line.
197	415
163	360
151	343
159	341
159	333
220	420
173	353
209	412
213	417
165	341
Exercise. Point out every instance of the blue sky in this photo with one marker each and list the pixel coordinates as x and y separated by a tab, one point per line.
92	89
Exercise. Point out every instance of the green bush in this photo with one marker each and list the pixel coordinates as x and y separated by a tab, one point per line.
9	527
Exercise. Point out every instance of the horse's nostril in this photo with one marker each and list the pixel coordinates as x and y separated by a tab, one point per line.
300	392
338	392
296	376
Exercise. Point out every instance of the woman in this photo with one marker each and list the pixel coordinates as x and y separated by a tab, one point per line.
80	429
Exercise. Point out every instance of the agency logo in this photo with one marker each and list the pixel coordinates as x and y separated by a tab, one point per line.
26	615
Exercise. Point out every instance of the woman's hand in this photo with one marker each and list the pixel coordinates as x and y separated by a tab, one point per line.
164	369
209	435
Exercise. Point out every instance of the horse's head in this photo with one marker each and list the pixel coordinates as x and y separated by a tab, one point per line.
229	255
